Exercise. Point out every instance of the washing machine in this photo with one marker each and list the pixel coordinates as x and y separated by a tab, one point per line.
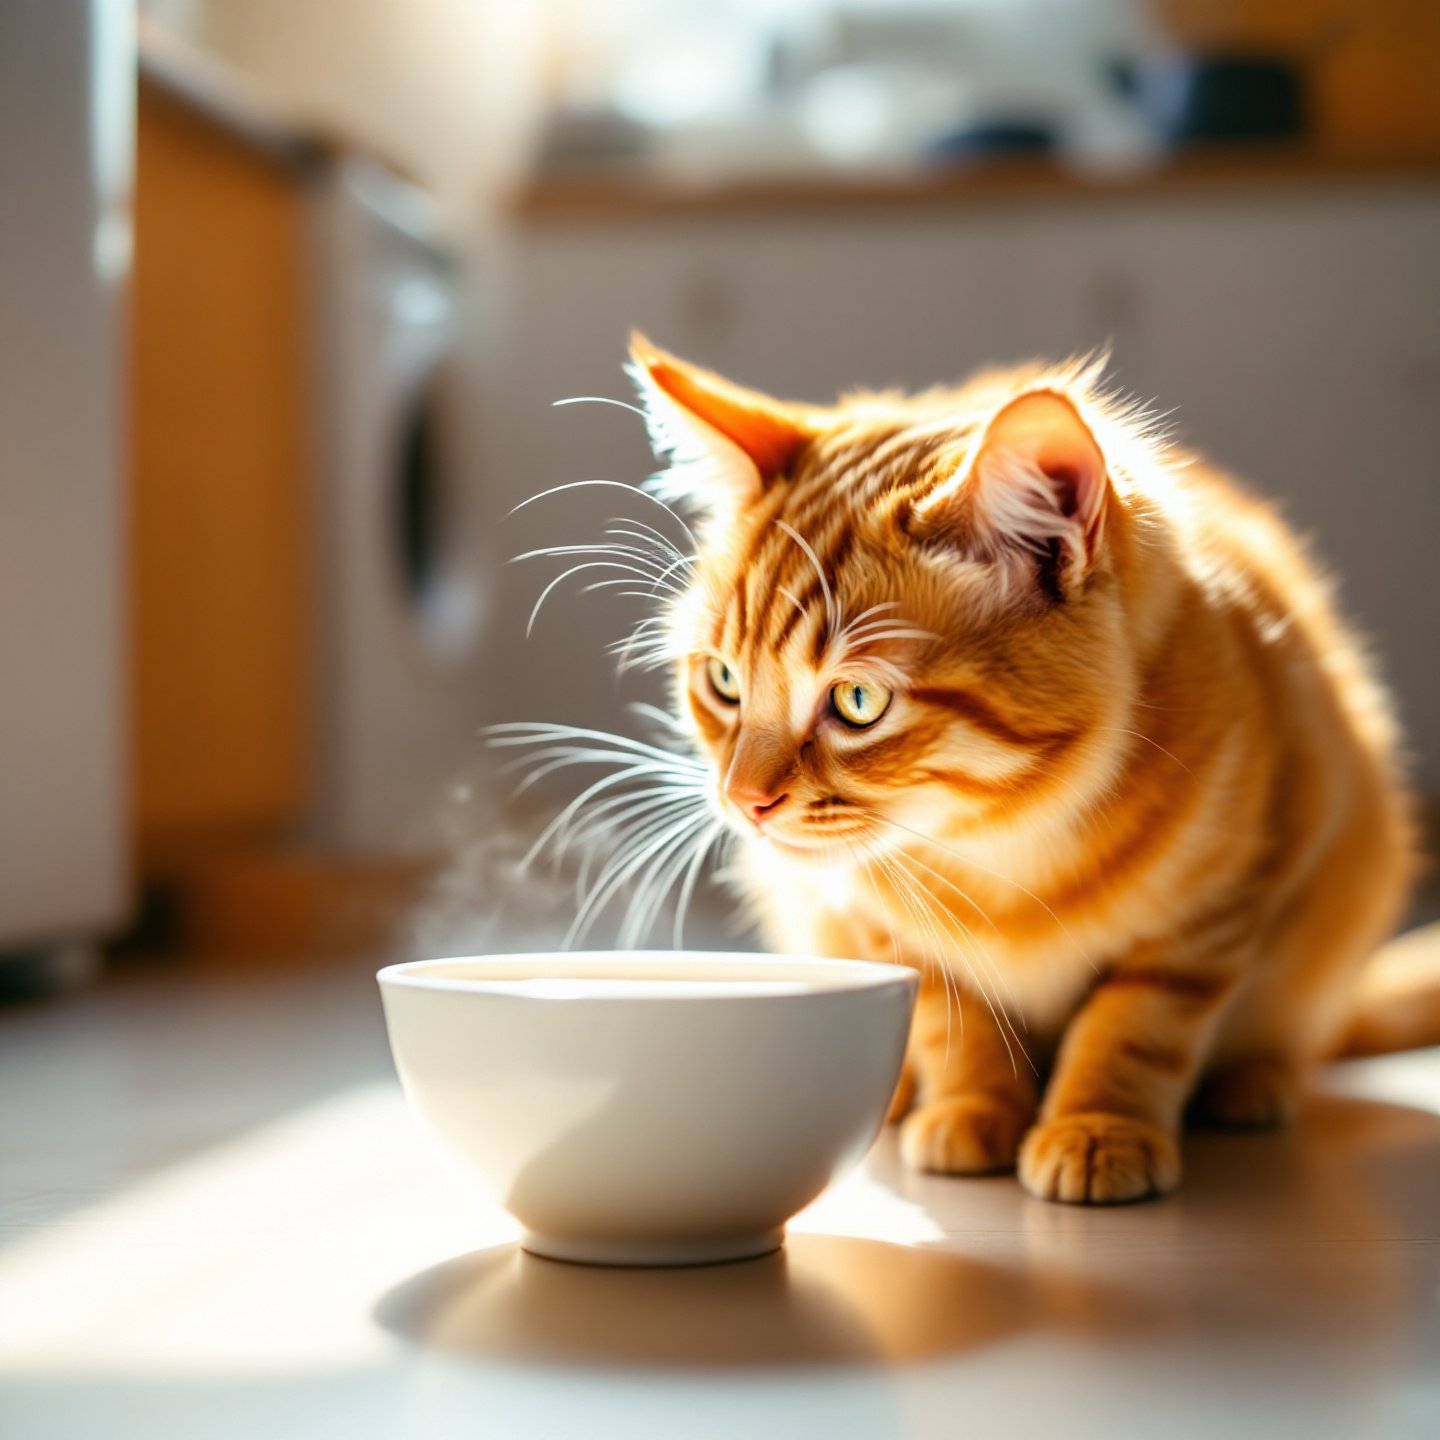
402	561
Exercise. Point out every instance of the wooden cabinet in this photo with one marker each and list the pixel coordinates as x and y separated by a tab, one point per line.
219	497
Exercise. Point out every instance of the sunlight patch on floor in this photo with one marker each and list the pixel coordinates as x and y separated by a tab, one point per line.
197	1270
861	1205
1392	1079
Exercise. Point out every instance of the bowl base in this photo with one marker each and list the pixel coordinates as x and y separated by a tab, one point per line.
717	1251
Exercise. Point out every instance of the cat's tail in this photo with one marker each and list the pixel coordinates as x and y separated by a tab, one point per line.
1397	1003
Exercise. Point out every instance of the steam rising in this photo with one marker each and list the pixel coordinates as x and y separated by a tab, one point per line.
537	861
618	864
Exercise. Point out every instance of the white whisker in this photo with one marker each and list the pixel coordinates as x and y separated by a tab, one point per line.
692	874
560	828
658	880
650	812
610	484
979	953
547	762
832	610
937	957
661	717
616	874
627	552
864	615
599	400
995	875
899	633
1140	735
921	903
658	542
993	1001
529	732
623	841
573	570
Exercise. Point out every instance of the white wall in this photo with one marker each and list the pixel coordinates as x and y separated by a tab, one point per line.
1294	334
446	89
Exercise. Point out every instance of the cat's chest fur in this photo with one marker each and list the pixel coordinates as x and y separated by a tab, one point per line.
1024	959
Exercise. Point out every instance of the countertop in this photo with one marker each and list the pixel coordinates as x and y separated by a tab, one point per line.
217	1219
647	195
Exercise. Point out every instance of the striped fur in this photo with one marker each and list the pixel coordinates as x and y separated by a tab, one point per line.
1134	809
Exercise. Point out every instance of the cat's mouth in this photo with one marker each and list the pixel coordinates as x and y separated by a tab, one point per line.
827	847
823	832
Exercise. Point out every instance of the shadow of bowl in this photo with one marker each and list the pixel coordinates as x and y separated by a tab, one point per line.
824	1300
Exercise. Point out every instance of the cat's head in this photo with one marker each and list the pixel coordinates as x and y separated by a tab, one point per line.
906	615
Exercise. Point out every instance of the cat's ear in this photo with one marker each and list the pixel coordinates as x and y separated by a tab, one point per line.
1033	489
725	445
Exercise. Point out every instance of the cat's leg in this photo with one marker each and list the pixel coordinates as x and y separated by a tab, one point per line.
903	1099
976	1098
1253	1092
1294	1004
1109	1128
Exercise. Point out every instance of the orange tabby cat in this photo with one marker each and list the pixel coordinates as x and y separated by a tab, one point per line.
996	687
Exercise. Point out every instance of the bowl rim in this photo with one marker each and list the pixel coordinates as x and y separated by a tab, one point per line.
847	976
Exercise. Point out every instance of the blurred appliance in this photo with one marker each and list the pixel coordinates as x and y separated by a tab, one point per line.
1223	98
400	560
66	146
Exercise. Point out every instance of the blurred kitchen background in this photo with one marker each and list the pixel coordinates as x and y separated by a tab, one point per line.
288	290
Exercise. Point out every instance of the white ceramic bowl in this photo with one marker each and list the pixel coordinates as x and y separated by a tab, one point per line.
650	1108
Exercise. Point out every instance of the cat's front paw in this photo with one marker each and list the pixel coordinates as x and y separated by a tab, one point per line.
1097	1159
971	1134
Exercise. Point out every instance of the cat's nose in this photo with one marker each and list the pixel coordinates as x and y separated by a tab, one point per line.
755	802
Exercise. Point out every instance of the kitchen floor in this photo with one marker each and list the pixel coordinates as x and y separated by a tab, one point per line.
217	1219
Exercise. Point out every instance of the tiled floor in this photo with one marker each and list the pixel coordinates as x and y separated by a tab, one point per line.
216	1220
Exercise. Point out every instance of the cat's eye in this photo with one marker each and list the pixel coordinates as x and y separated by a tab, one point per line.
722	680
859	702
